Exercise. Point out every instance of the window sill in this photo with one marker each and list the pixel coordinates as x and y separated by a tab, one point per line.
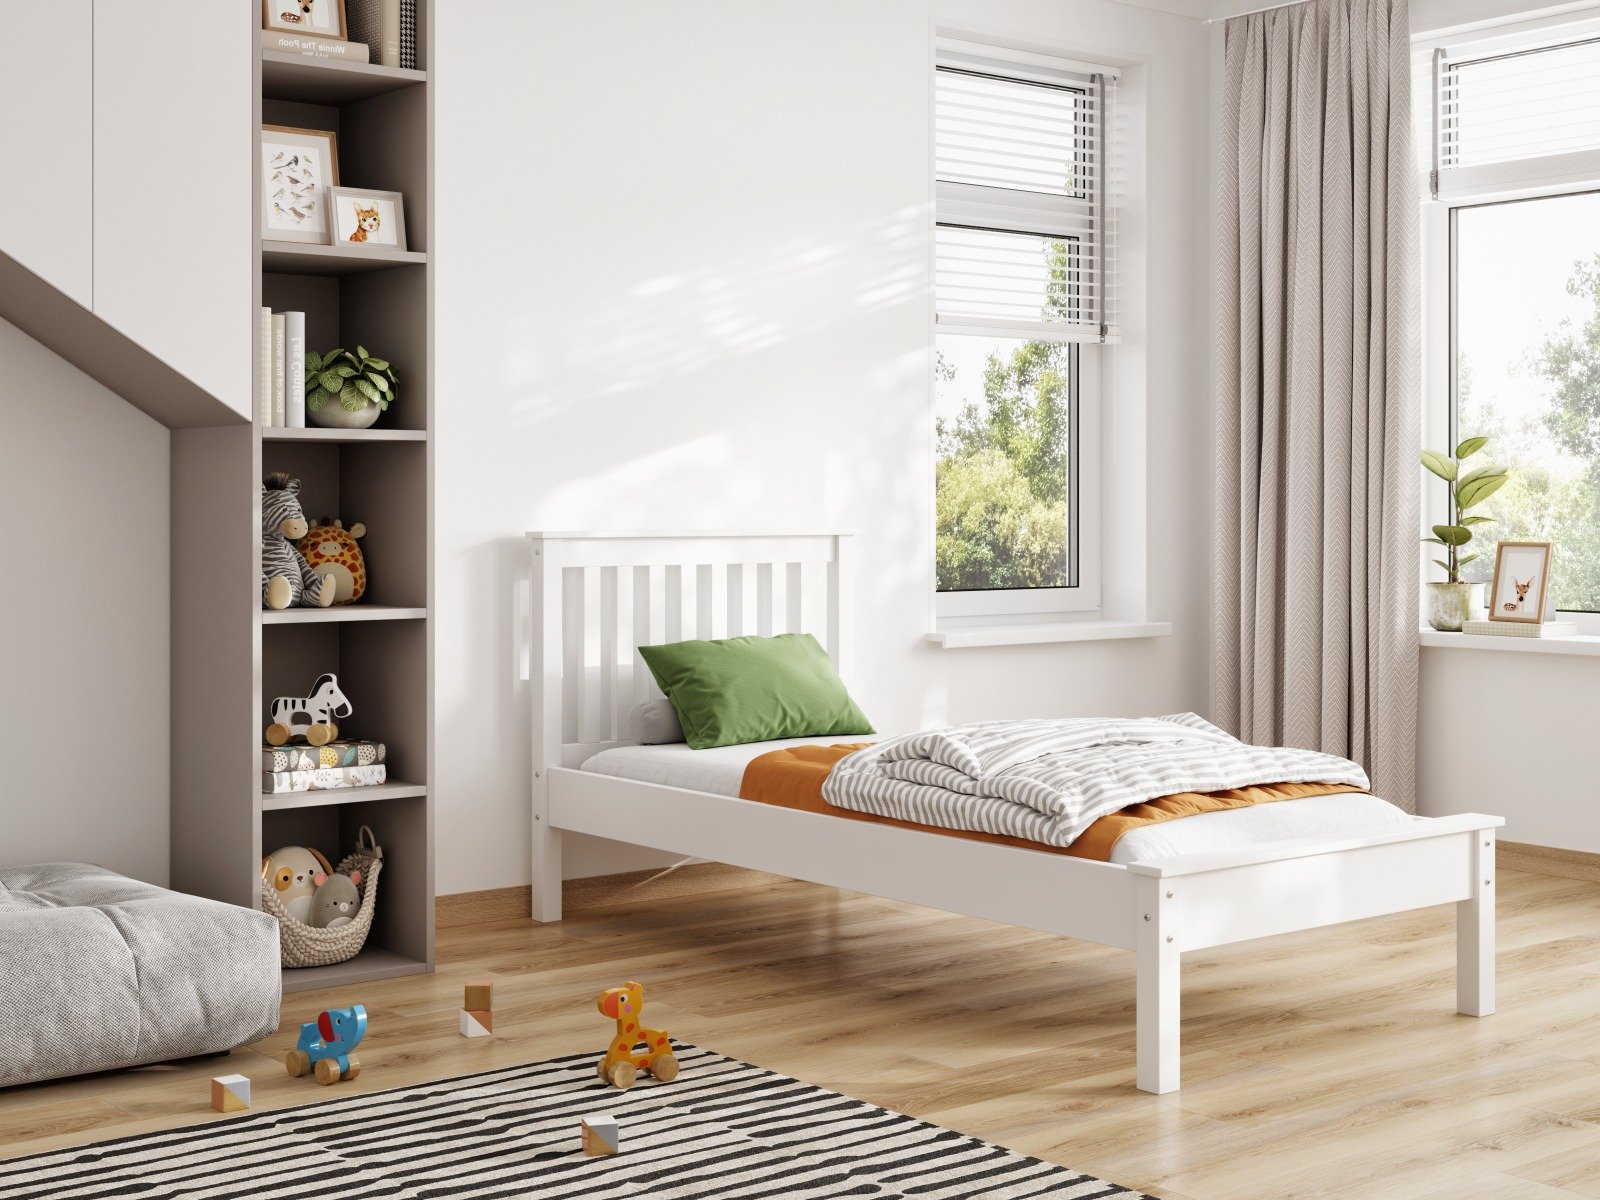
1581	644
963	637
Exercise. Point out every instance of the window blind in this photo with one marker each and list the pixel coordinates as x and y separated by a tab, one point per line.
1515	115
1025	157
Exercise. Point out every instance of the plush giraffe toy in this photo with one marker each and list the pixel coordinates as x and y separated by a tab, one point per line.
331	551
624	1060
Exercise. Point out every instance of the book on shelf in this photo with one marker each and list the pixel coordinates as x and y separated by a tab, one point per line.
294	375
1519	629
264	381
408	34
377	22
280	370
325	779
314	47
347	752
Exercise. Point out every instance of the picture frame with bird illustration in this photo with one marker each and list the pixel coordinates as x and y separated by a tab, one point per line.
298	169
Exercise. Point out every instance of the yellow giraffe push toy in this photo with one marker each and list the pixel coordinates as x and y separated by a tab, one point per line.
635	1048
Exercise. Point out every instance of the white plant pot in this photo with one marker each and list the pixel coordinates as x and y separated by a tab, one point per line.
333	415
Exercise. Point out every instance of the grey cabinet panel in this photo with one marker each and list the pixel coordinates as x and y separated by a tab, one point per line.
173	184
46	141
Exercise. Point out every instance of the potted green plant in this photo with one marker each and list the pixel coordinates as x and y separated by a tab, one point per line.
345	390
1450	602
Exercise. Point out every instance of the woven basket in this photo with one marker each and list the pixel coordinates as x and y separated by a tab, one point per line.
302	946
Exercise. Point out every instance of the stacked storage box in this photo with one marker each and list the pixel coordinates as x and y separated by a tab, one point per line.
341	764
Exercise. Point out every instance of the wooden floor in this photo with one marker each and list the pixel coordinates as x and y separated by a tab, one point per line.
1321	1064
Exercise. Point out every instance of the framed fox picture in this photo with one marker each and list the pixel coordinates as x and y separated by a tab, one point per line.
1521	581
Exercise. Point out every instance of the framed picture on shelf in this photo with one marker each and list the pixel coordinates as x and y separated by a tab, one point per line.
1521	580
298	168
313	18
363	217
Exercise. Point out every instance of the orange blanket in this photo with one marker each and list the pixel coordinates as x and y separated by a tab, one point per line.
793	778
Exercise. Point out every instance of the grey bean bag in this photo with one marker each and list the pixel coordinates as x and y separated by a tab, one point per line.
99	971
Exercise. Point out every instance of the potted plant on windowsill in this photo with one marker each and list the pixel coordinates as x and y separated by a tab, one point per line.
347	391
1450	602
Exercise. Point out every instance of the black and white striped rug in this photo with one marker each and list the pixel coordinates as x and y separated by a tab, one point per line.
723	1129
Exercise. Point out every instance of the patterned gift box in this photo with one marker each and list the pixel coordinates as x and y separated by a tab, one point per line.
321	758
325	779
1518	629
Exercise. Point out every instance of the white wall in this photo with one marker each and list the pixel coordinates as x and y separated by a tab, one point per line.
683	282
1512	734
83	619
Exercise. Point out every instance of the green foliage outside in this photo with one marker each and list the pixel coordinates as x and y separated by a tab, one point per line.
1552	497
1002	472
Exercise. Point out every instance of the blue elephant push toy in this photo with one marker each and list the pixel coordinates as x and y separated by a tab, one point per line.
325	1045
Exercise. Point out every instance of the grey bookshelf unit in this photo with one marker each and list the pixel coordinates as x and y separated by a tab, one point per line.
230	657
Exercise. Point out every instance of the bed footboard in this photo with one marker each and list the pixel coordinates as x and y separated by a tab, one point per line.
1199	901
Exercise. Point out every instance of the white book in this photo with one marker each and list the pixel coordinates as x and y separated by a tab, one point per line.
294	378
280	368
314	47
264	382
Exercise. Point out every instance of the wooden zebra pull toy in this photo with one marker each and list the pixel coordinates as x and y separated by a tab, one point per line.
310	716
286	578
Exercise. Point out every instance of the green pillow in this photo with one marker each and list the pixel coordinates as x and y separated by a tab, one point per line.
753	689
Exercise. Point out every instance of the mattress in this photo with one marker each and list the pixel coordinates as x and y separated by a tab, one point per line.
720	770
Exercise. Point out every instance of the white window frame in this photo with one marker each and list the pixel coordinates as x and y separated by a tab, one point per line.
1563	175
1045	215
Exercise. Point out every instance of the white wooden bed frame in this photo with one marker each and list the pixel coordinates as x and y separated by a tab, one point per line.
596	596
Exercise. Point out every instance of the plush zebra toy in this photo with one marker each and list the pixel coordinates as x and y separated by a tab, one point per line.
286	578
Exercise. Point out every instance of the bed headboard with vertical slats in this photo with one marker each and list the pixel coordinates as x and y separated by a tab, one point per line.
599	596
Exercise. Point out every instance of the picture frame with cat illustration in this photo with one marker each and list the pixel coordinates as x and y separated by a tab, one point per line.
1521	582
366	218
309	18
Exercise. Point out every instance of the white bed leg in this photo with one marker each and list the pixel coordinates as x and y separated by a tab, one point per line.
546	866
546	655
1475	933
1157	951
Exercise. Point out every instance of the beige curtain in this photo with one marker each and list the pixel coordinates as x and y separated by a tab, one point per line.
1318	411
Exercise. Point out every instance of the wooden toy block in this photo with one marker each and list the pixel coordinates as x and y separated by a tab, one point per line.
230	1093
476	1024
600	1134
479	997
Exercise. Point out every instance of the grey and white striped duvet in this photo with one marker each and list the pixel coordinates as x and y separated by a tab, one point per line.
1048	781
